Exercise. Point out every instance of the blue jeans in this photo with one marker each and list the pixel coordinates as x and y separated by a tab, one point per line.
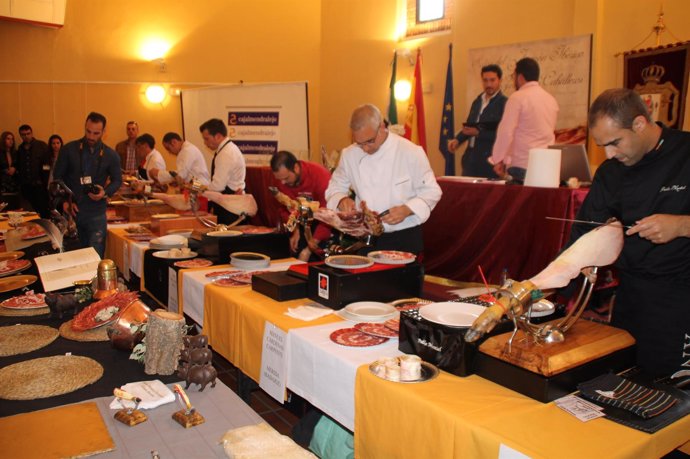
92	230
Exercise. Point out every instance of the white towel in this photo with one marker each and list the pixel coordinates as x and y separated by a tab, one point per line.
152	394
308	312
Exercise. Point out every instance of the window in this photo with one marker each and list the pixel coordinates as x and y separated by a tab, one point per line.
427	16
429	10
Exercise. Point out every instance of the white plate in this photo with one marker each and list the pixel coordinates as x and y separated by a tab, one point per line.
472	291
170	240
370	309
166	254
226	233
349	261
392	257
451	314
164	216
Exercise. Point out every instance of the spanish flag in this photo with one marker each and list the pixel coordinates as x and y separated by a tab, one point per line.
415	127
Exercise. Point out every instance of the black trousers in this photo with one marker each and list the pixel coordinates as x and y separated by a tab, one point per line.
407	240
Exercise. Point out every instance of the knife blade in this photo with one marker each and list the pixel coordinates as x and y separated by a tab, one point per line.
586	222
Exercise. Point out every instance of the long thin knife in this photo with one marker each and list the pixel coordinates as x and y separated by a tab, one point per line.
572	220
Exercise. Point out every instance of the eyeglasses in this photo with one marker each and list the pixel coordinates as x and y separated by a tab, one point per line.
371	141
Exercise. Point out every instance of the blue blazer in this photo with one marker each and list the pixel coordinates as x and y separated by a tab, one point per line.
488	123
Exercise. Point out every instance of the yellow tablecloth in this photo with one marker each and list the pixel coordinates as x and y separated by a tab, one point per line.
234	319
471	417
114	247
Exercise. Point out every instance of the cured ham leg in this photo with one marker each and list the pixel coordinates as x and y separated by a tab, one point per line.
176	201
237	204
599	247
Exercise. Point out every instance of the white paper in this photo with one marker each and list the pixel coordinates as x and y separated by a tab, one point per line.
581	409
273	377
506	452
173	305
60	270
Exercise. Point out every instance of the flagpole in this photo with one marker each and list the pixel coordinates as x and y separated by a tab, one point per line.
448	118
392	104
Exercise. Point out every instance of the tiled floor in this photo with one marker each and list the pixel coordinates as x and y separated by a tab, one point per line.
271	411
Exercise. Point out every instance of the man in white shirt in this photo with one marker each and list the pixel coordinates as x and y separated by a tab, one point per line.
145	144
227	167
529	121
189	161
389	173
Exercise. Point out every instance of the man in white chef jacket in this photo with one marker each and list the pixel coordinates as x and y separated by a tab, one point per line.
389	173
190	162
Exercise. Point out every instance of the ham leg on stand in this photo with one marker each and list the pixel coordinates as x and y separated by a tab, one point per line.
599	247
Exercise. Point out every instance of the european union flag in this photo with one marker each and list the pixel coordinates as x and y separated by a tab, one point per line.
448	118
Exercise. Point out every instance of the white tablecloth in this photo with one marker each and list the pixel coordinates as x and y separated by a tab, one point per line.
195	280
323	372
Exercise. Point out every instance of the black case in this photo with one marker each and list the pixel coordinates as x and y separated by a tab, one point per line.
441	345
336	288
273	245
279	286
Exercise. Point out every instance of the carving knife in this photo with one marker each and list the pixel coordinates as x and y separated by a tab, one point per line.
572	220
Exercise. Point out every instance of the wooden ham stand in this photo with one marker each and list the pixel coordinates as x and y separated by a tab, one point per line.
546	371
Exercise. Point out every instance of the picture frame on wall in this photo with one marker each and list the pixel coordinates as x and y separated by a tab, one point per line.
660	76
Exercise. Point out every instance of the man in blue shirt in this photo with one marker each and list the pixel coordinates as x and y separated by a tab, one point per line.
92	171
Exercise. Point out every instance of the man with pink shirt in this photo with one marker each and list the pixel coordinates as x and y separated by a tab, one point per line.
529	121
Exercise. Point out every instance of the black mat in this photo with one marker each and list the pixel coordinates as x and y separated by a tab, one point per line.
118	369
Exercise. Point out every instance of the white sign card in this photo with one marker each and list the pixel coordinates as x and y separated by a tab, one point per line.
60	270
273	362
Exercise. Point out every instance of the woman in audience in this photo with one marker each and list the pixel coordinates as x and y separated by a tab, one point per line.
9	179
54	144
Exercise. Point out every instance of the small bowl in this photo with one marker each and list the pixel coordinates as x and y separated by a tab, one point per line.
249	260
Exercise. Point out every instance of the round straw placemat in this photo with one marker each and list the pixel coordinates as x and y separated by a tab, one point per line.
95	334
48	377
20	339
10	312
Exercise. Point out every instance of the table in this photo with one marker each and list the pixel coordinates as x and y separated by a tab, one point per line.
323	372
496	226
473	417
220	406
446	417
127	254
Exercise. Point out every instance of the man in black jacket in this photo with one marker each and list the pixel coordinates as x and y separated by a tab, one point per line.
645	183
33	160
480	129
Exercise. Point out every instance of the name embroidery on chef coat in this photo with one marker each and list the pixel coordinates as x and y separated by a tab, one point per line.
676	188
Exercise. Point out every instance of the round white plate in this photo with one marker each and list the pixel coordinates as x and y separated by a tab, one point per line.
451	314
227	233
370	309
472	291
164	216
349	261
392	257
166	254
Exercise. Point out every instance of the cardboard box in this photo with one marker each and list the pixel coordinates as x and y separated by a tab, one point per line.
279	286
142	213
336	288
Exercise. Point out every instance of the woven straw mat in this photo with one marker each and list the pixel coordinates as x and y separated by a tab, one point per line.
11	312
95	334
20	339
48	377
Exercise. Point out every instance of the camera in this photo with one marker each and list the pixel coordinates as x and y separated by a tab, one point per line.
91	188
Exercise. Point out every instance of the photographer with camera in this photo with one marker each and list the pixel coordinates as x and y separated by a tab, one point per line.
92	171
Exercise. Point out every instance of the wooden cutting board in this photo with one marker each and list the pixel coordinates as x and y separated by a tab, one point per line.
584	342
